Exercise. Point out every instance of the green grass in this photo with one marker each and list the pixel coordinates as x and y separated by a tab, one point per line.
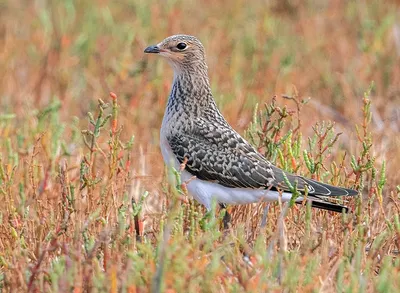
85	204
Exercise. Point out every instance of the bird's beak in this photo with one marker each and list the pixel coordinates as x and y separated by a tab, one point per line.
152	49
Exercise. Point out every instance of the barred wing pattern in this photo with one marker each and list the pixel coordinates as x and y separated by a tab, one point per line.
224	157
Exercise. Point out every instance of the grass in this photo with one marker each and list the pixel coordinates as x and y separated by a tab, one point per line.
85	203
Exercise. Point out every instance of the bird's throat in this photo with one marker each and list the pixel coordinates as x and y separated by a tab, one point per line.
191	90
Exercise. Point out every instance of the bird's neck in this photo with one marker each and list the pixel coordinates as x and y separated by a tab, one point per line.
191	92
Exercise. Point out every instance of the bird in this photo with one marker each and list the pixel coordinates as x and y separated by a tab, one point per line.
219	164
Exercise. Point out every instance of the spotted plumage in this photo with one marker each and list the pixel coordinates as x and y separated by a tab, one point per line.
227	168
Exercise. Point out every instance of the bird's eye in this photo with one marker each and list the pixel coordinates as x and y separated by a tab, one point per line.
181	46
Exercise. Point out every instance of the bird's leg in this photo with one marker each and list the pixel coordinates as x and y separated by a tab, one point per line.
265	216
226	220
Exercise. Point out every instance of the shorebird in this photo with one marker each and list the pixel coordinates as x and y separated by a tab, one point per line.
225	166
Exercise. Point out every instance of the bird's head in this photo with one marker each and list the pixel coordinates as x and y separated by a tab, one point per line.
183	52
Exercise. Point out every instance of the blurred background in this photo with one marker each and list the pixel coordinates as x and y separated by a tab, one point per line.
65	55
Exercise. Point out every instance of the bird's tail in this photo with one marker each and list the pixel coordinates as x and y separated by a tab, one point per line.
330	206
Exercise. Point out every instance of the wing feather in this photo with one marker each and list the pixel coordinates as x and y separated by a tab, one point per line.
226	158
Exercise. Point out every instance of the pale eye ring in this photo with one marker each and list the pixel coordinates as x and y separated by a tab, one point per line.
181	46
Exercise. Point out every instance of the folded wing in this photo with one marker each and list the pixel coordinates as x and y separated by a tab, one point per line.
226	158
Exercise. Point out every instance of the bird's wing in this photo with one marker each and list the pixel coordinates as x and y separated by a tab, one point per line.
224	157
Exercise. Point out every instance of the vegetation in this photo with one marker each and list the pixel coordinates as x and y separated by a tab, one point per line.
85	205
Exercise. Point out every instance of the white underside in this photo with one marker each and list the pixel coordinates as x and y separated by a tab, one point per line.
205	192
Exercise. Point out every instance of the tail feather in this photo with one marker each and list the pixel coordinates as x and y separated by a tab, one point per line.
324	205
319	188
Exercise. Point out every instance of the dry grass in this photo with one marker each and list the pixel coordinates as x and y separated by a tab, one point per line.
85	207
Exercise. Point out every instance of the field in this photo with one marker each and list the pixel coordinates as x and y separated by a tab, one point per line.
85	204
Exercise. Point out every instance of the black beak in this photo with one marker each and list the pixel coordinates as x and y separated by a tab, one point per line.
152	49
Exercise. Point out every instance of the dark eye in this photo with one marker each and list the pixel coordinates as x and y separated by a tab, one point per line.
181	46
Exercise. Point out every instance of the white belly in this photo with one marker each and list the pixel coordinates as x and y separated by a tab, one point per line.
205	192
